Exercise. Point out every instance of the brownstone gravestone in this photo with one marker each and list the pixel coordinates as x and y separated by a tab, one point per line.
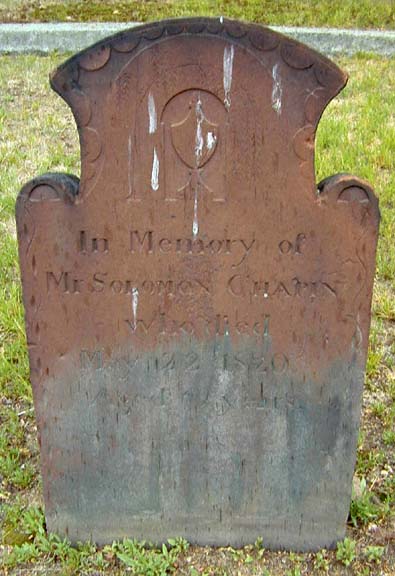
197	311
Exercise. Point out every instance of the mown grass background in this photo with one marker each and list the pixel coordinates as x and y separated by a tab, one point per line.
37	134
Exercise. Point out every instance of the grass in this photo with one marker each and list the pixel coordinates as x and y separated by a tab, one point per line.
37	134
336	13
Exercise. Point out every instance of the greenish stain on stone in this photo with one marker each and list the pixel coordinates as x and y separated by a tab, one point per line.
181	438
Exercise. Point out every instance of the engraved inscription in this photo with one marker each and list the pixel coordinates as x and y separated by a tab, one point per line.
91	360
292	247
219	325
238	286
171	288
241	287
149	242
256	371
102	283
88	244
63	282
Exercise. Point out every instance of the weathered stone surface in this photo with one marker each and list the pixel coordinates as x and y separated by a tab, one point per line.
197	311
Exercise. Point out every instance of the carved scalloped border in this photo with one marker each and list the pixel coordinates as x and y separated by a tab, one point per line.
294	54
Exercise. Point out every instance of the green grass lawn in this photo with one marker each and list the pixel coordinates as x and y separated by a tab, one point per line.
37	134
337	13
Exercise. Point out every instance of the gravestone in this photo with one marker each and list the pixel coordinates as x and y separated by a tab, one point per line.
197	309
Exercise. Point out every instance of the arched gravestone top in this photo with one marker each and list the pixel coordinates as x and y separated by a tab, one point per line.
197	308
126	69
